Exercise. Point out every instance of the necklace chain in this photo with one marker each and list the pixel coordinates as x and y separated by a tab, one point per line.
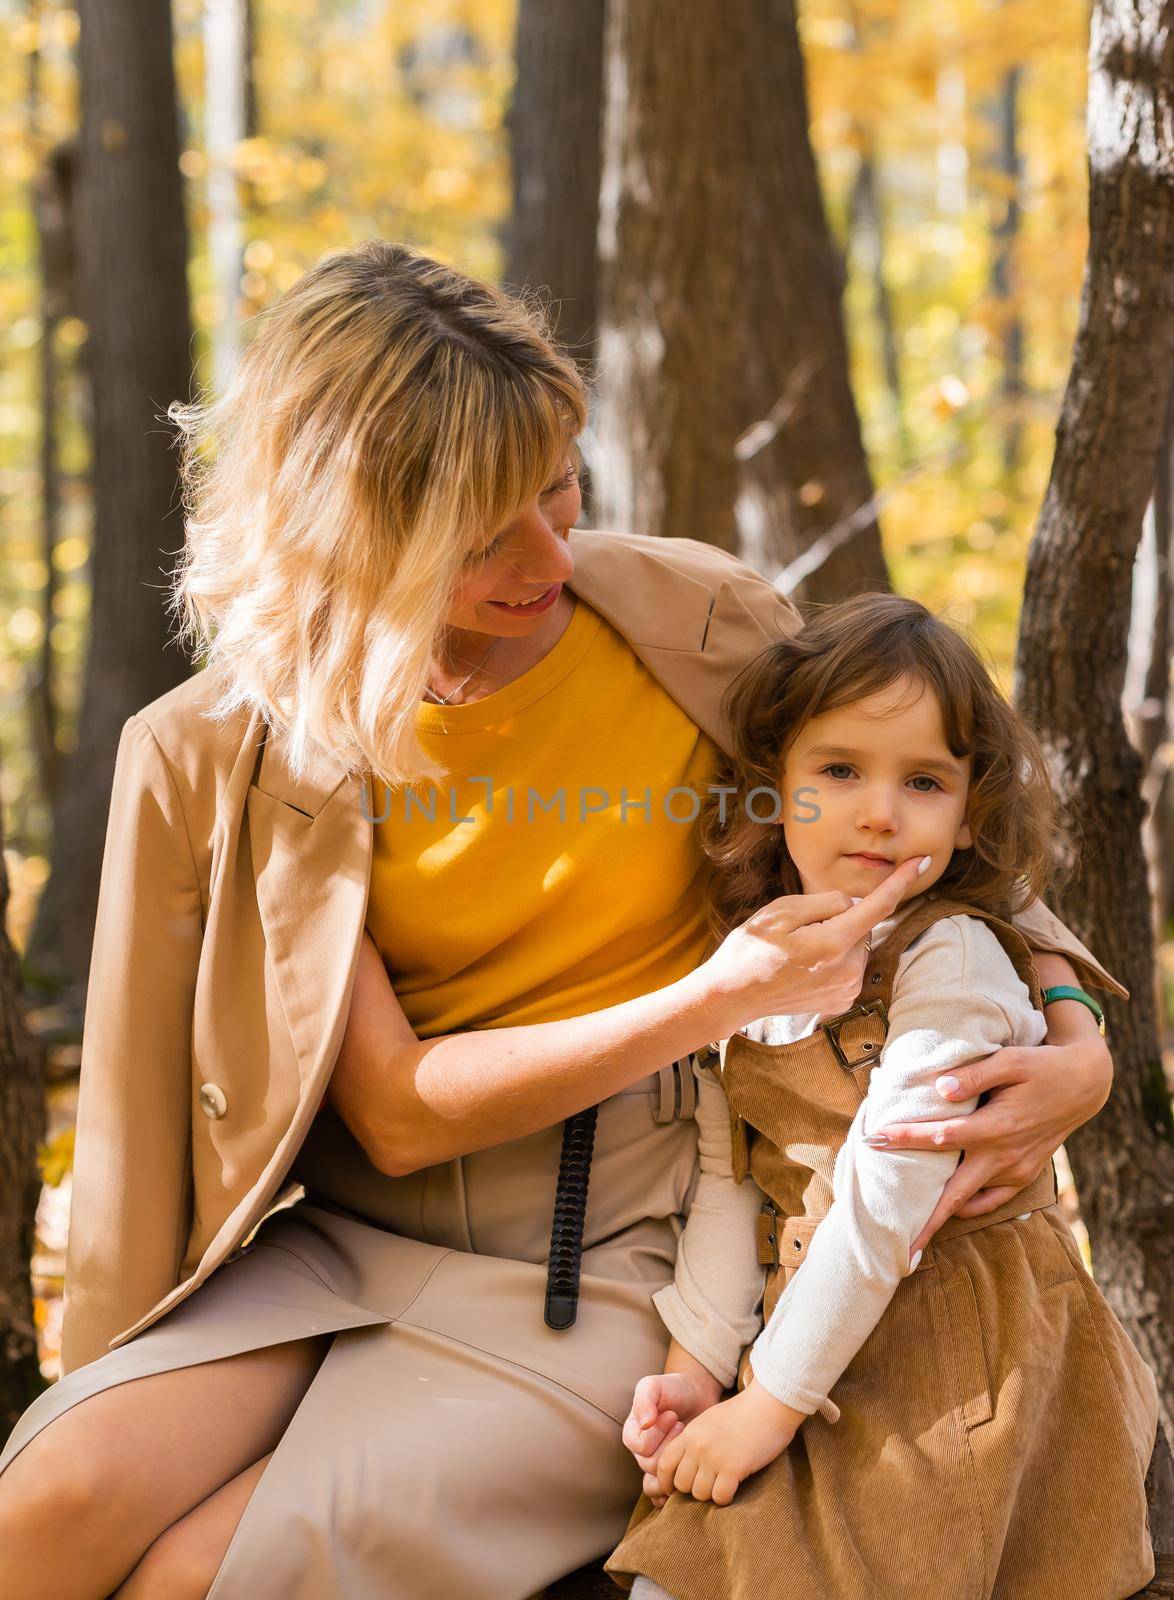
445	699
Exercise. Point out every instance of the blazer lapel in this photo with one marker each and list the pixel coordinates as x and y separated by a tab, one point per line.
311	856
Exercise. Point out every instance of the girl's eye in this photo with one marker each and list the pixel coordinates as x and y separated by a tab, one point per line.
843	766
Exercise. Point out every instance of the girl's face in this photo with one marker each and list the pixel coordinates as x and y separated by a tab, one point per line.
869	784
528	561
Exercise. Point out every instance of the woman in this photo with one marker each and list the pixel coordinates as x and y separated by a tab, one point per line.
332	1034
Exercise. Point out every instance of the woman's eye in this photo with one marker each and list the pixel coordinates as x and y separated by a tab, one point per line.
925	778
568	479
831	769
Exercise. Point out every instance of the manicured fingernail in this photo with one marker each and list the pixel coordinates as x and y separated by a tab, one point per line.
948	1085
913	1260
877	1141
925	861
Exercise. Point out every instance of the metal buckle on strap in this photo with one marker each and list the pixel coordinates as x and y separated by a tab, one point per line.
767	1235
708	1057
831	1029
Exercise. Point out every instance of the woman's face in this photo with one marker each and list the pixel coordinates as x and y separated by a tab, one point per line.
868	785
528	561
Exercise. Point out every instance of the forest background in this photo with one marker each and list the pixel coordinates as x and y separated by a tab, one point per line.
952	155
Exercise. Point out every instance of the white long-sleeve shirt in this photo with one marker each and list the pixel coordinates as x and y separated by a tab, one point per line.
956	998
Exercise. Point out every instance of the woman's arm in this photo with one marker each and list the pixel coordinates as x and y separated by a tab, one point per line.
413	1102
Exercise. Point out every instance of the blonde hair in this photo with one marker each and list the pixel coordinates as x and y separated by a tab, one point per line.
389	417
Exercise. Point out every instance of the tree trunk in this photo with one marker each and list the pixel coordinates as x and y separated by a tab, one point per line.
867	236
1152	637
132	258
1071	660
226	28
555	124
670	325
51	196
805	465
725	405
868	243
22	1124
1003	276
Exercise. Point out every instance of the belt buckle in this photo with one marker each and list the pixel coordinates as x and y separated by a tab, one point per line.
832	1029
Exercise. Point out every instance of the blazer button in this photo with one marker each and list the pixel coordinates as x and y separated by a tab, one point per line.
212	1101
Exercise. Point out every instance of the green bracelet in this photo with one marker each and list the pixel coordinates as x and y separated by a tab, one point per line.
1065	991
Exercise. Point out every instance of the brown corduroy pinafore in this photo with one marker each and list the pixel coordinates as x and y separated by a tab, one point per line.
995	1428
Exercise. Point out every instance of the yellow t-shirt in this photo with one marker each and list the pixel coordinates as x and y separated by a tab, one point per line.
552	877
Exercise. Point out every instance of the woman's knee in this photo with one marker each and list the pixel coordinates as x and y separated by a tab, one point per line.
53	1481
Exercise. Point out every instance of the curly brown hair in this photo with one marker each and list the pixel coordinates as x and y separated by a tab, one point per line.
843	653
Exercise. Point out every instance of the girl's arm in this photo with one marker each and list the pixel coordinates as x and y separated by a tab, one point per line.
1038	1094
956	998
712	1306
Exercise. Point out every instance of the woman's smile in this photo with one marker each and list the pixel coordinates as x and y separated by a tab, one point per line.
529	608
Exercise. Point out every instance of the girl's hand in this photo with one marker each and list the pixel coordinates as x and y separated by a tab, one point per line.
715	1452
1038	1095
804	952
661	1406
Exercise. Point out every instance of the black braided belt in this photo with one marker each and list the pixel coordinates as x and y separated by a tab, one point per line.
570	1209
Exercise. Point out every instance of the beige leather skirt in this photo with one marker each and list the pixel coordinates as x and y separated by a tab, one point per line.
451	1444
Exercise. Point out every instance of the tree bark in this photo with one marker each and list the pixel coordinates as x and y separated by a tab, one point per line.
132	259
725	404
555	127
51	197
1003	276
669	349
226	34
1070	667
809	475
1152	594
868	241
22	1126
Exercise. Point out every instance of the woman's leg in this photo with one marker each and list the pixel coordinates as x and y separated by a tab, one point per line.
186	1557
91	1492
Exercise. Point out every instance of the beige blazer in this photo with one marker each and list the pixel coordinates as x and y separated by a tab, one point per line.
230	915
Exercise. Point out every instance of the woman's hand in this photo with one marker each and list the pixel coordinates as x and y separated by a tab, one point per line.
715	1452
804	952
1038	1095
661	1406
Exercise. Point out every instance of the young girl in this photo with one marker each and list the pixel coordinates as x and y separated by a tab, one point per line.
963	1420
